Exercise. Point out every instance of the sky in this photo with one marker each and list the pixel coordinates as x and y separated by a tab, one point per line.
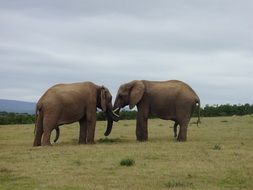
206	43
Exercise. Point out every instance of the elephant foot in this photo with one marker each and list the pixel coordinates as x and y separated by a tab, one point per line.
91	142
47	144
36	143
81	142
142	139
182	136
181	139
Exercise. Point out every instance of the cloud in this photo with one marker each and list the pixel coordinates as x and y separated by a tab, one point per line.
207	44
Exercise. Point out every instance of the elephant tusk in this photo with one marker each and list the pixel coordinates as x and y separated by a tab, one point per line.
115	110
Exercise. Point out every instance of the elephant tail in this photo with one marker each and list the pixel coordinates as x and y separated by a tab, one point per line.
198	121
36	118
57	134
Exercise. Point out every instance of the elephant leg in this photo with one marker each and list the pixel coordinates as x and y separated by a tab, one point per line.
38	132
91	132
142	127
91	124
46	138
38	136
48	127
83	131
182	135
175	129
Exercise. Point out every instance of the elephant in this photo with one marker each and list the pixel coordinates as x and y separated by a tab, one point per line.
68	103
169	100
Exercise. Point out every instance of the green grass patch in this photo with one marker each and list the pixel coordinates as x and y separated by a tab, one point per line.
77	163
109	140
127	162
5	170
217	147
235	179
9	180
177	184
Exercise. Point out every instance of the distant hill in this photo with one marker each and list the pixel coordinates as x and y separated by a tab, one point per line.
17	106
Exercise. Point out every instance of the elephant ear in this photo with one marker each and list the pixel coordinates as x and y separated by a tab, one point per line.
136	93
103	98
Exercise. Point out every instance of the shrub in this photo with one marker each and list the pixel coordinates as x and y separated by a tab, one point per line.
217	147
127	162
77	162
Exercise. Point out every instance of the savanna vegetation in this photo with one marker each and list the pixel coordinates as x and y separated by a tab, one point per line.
16	118
207	111
217	156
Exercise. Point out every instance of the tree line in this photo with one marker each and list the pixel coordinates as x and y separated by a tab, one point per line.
225	110
16	118
207	111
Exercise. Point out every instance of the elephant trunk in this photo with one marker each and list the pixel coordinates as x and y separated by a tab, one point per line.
111	116
109	125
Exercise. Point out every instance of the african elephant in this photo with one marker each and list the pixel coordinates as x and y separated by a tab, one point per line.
169	100
68	103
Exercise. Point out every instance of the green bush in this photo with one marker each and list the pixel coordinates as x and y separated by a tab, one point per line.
127	162
16	118
217	147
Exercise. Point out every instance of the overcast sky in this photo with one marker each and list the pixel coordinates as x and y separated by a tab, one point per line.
207	44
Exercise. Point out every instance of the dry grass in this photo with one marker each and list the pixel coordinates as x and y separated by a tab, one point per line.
160	163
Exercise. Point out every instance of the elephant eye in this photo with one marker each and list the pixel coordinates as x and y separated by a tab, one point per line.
124	95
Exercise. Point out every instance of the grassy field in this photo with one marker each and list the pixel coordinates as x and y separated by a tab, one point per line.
217	155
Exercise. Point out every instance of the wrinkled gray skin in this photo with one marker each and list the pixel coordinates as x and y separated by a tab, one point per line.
68	103
169	100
